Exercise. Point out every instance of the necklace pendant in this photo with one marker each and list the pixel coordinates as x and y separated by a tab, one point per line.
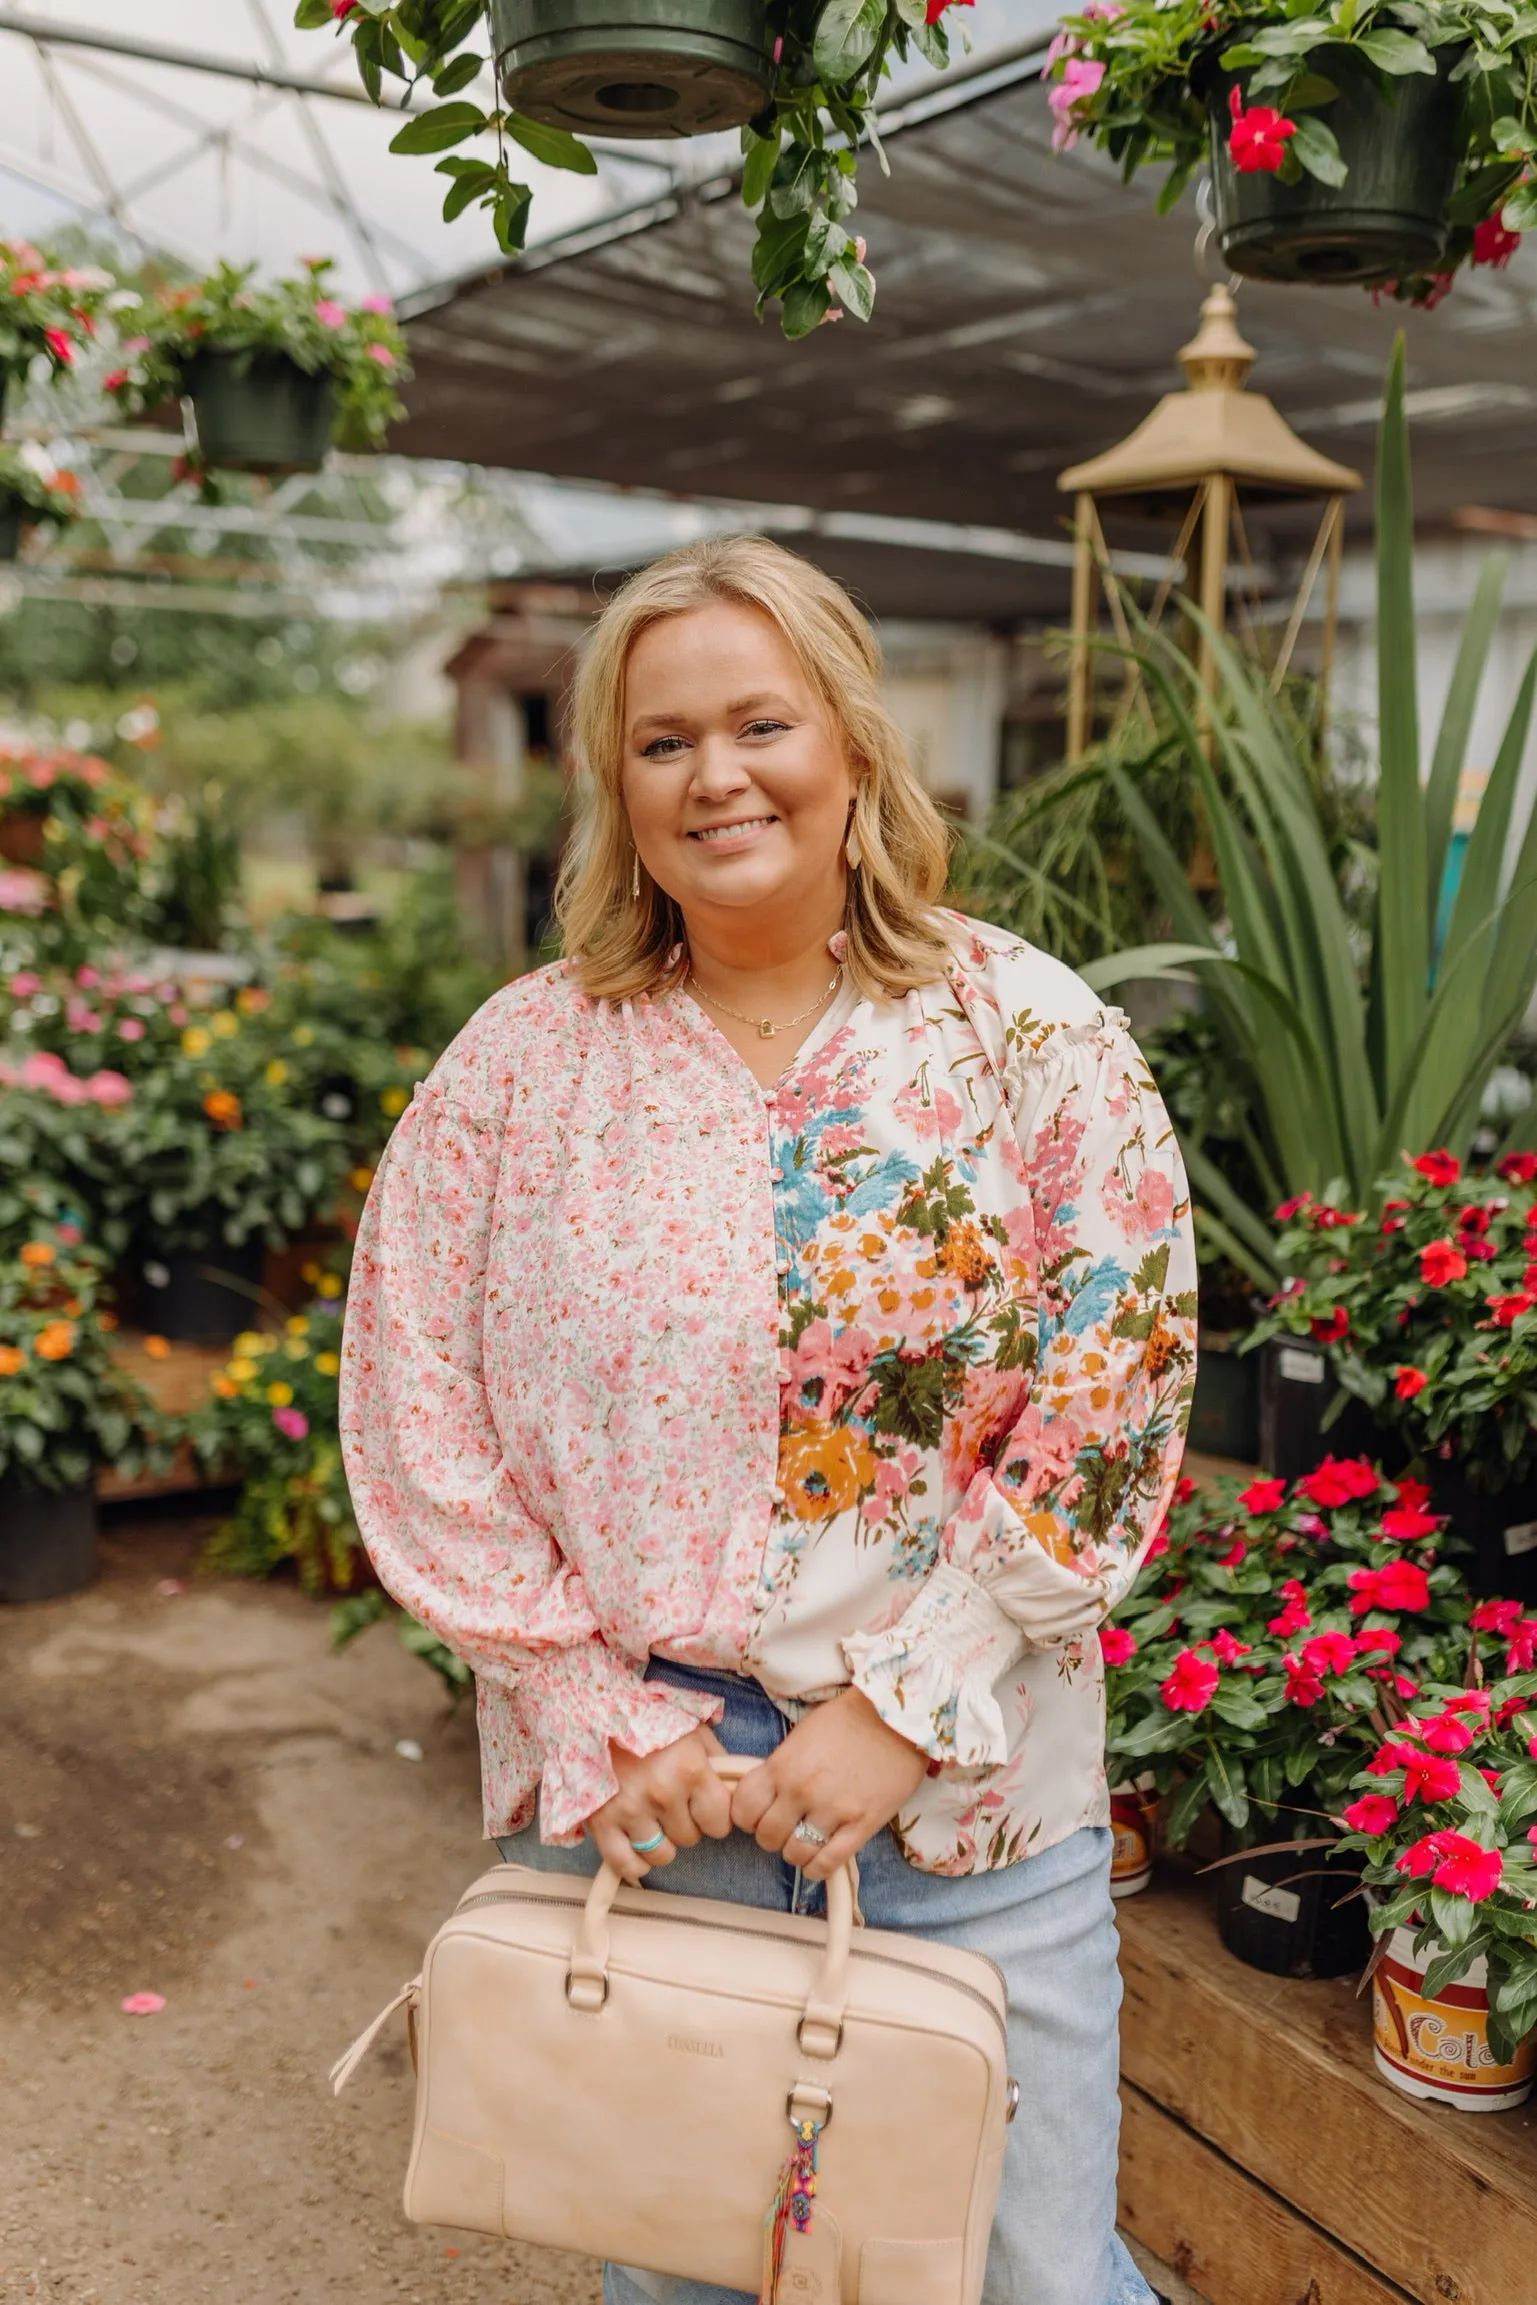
766	1031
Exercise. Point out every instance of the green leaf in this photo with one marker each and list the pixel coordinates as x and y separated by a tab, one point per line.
1318	150
846	34
854	286
1520	210
509	217
1396	52
805	301
758	167
556	147
1403	938
436	129
311	15
458	75
1457	719
1453	1917
473	180
1308	90
1225	1776
1185	1807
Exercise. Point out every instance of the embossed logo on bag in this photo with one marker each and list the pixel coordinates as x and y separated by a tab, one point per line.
695	2047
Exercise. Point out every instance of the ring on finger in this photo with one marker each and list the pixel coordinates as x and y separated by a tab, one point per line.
644	1848
807	1831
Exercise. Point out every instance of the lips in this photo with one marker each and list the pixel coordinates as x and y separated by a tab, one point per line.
742	824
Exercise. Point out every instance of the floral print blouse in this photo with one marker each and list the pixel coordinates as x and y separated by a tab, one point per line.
880	1375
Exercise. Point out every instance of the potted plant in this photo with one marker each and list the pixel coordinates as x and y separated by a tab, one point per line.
275	372
47	312
271	1419
1271	1635
1371	141
1445	1821
29	499
66	1410
800	77
1424	1314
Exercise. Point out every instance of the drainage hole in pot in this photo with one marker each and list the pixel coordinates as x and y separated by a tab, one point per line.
1332	263
637	96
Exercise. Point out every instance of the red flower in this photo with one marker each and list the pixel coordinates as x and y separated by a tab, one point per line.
1469	1701
1158	1547
61	346
1392	1219
936	8
1329	1653
1508	1310
1399	1683
1521	1656
1332	1330
1325	1219
1407	1525
1116	1645
1518	1168
1401	1585
1421	1858
1302	1687
1263	1496
1340	1481
116	381
1442	1168
1373	1813
1496	1617
1427	1776
1233	1558
1192	1683
1288	1209
1257	138
1467	1869
1184	1490
1414	1494
1492	244
1447	1733
1475	1219
1225	1648
1407	1382
1440	1262
342	9
1382	1639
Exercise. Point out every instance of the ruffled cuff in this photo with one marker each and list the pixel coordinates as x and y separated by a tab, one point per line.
930	1676
577	1701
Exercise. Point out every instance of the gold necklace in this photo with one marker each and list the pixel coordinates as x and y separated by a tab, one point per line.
766	1029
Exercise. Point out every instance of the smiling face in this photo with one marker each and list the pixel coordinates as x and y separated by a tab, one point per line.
734	772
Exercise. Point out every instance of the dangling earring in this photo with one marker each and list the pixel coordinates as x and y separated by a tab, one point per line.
635	878
852	849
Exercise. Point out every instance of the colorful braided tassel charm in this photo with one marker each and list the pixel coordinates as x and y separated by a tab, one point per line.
791	2205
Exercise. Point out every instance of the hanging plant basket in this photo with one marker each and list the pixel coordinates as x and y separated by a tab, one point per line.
638	68
47	1541
1401	145
262	413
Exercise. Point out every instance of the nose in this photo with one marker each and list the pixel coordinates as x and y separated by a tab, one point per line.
719	771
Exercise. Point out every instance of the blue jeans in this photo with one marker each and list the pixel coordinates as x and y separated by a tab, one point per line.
1048	1923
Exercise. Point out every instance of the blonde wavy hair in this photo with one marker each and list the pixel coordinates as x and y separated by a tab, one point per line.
620	946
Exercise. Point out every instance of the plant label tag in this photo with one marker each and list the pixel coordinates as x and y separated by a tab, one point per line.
1265	1897
1299	1368
1522	1538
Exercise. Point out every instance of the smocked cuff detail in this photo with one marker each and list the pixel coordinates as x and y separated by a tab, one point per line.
931	1675
575	1724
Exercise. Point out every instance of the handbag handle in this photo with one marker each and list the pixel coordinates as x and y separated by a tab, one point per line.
821	2025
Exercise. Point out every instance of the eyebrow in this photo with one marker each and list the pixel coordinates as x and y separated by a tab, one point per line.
738	704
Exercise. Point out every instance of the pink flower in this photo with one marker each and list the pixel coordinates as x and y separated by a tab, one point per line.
1302	1686
376	303
143	2004
1373	1813
1263	1496
329	314
1381	1638
1225	1648
1421	1857
61	346
1407	1525
1521	1655
1401	1585
292	1423
24	983
23	891
1447	1733
1467	1869
1414	1494
1257	139
130	1028
1329	1653
1496	1617
87	978
1116	1645
109	1090
1191	1685
1492	244
382	354
1081	77
1341	1481
1427	1776
1294	1617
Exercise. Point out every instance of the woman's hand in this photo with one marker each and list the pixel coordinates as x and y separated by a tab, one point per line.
674	1792
841	1769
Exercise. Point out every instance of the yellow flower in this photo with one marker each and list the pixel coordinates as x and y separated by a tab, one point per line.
241	1370
224	1023
360	1180
296	1349
251	1341
393	1101
280	1394
252	1000
195	1042
276	1073
825	1469
327	1364
329	1285
297	1324
304	1036
310	1273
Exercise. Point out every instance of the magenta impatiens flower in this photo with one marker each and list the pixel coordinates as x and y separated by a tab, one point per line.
1329	1653
1427	1776
1258	137
1407	1525
1116	1645
1081	76
1340	1481
330	314
1401	1585
1493	243
292	1422
1192	1683
1372	1813
1263	1496
1467	1868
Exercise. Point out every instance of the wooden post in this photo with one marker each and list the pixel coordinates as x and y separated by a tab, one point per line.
1214	536
1080	670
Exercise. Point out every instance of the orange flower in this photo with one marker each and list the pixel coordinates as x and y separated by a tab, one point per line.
823	1469
224	1387
223	1109
55	1341
966	1255
157	1348
12	1358
38	1253
107	1321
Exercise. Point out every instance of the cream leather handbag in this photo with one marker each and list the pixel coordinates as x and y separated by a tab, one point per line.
809	2111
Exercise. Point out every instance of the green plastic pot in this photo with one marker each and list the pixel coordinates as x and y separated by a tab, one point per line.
642	68
262	414
1401	141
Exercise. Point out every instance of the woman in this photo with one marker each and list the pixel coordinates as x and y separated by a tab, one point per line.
773	1326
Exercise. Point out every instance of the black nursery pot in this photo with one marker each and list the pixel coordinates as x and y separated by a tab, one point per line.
1224	1415
1501	1527
262	414
1282	1912
1296	1390
201	1296
47	1541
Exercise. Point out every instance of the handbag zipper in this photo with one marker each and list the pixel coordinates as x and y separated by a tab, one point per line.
762	1936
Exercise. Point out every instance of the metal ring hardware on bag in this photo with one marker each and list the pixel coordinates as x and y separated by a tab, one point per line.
820	2032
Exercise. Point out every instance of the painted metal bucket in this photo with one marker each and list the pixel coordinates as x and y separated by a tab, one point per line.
1134	1824
1439	2049
638	68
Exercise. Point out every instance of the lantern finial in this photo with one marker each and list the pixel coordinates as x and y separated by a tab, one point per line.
1217	359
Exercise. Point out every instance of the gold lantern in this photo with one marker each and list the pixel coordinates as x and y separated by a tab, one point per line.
1190	459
